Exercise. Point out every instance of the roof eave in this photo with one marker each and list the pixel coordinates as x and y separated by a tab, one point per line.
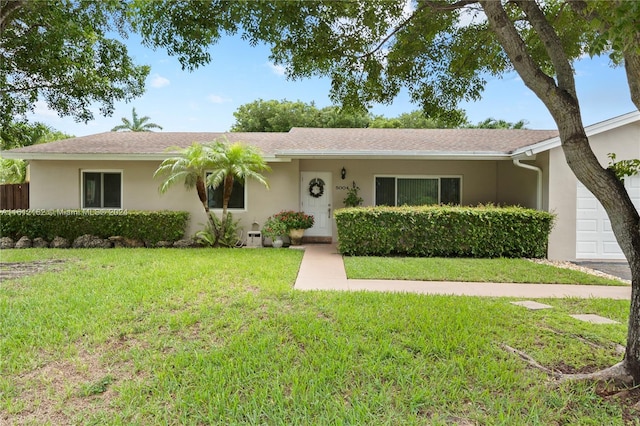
592	130
105	157
395	155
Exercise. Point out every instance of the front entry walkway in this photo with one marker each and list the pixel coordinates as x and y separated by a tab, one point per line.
322	268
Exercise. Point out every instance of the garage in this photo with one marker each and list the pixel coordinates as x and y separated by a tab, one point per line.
594	237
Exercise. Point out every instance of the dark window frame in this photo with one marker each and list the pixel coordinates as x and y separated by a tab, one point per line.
214	196
390	182
108	198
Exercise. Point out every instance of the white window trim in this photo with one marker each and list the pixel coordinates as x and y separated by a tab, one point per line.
83	171
396	177
246	198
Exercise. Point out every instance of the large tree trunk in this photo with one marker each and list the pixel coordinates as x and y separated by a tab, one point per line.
560	98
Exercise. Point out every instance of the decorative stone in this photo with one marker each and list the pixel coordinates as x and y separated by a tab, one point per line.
24	242
117	241
91	241
60	243
7	243
123	242
164	244
133	243
186	243
40	243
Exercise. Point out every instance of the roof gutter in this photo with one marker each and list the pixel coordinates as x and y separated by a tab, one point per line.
395	155
538	170
105	157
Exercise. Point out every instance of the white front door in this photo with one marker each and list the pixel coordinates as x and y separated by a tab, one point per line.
315	197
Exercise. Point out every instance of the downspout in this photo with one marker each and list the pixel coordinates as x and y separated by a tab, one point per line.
538	170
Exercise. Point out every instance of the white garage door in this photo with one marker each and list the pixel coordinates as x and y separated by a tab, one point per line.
594	237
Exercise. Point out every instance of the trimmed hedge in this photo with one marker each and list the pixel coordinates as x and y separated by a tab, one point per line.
444	231
149	226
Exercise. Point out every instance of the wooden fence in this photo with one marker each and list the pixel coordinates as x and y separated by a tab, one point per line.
14	196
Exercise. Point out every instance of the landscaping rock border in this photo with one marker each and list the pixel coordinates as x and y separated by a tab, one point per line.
92	241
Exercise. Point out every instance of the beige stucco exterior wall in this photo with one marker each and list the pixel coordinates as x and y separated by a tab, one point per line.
517	186
624	142
56	185
478	177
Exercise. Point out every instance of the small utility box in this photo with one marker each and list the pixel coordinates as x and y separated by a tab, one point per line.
254	239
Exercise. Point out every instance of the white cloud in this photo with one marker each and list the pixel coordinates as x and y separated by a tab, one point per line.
276	69
158	81
217	99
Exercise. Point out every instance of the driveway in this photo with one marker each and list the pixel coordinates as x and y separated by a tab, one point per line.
617	268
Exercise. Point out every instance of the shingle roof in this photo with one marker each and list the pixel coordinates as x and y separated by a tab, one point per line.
299	142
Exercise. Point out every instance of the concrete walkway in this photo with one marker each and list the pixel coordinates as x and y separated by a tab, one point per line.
322	268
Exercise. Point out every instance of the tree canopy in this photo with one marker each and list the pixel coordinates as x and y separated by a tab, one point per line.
65	54
281	116
16	135
19	134
492	123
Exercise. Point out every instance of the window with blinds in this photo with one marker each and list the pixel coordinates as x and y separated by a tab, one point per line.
417	191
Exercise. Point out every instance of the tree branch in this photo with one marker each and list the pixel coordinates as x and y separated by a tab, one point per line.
447	7
552	44
441	7
516	50
6	9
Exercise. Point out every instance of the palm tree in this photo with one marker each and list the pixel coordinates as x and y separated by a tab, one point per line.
225	162
189	166
136	125
235	161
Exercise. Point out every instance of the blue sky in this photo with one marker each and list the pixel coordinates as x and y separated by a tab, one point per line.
205	100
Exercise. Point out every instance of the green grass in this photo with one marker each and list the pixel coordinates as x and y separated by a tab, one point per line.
498	270
140	336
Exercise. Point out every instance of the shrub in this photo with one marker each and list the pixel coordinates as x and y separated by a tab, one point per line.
150	226
295	220
353	199
228	238
444	231
274	228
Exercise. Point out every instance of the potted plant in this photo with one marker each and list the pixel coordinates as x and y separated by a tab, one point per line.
274	228
296	223
353	199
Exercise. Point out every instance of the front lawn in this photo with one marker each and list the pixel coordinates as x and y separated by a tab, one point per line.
498	270
166	336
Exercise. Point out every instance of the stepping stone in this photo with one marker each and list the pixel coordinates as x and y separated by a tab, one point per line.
530	304
594	319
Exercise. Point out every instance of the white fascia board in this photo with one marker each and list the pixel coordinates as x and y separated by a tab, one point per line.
104	157
395	155
592	130
75	157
